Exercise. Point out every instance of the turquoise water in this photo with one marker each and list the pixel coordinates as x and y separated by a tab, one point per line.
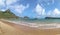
36	21
44	21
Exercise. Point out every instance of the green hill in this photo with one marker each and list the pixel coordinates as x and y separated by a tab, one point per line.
7	14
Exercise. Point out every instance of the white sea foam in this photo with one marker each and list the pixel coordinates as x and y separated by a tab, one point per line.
40	26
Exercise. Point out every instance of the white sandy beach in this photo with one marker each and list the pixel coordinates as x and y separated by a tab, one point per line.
9	28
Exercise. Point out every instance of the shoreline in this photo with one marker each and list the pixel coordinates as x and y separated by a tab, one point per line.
35	25
15	29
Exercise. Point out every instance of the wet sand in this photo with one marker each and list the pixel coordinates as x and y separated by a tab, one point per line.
9	28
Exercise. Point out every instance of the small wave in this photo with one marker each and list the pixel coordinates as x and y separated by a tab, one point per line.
35	25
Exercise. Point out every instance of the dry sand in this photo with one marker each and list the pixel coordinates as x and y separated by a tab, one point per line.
8	28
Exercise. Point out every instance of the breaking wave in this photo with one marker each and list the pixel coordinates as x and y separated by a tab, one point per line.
35	25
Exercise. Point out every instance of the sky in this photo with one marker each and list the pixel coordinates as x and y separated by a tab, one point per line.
32	8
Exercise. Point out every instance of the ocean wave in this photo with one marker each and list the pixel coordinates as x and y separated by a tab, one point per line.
35	25
41	26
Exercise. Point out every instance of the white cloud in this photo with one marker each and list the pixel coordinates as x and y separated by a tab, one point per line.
2	5
39	10
54	13
3	9
6	4
9	2
2	2
19	8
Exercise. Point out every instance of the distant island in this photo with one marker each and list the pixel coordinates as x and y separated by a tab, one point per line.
7	14
52	17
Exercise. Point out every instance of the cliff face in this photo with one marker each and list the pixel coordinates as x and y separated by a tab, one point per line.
7	14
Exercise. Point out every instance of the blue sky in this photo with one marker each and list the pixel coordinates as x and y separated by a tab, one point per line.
32	8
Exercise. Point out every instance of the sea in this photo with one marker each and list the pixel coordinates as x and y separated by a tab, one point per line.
38	23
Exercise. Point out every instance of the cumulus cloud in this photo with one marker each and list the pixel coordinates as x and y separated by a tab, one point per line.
9	2
19	8
2	5
40	10
54	13
2	2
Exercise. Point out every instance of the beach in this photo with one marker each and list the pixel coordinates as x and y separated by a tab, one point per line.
9	28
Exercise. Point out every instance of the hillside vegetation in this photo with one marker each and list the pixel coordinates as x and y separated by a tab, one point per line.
7	14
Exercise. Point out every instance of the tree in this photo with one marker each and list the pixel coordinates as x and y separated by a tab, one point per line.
26	17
